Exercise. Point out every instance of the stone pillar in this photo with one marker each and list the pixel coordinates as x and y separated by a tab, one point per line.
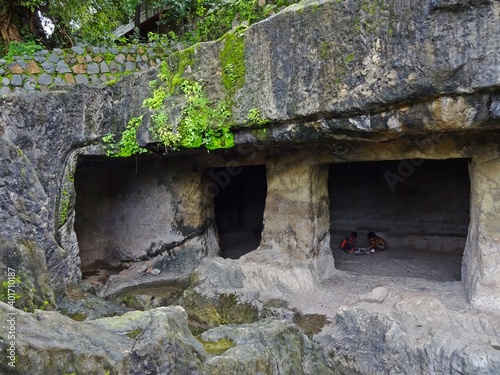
296	217
481	264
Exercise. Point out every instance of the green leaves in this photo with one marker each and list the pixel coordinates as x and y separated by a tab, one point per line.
201	124
127	146
254	117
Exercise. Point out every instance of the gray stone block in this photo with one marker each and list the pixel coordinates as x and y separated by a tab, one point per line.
130	66
45	79
113	66
78	50
92	68
59	81
62	67
3	62
2	71
5	90
5	81
48	67
104	67
22	63
53	58
16	80
120	59
82	79
29	86
95	80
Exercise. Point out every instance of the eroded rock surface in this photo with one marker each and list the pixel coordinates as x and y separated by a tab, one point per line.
155	342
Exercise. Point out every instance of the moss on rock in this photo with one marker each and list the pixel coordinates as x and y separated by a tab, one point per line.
225	309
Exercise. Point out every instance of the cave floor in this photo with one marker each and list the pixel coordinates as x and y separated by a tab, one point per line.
393	262
402	262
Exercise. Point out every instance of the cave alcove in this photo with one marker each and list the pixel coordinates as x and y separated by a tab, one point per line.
239	207
420	207
122	206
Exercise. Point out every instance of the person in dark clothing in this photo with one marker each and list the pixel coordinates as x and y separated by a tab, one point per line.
347	244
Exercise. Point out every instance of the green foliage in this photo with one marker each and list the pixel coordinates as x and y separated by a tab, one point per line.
172	79
349	58
109	144
201	123
219	19
21	48
5	288
127	146
23	295
64	207
157	100
92	22
232	58
254	117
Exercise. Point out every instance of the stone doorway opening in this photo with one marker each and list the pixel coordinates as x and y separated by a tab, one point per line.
420	207
239	208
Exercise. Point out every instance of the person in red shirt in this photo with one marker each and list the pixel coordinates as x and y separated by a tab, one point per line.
347	244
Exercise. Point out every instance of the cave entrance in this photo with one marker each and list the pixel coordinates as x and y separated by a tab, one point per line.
122	206
420	207
239	208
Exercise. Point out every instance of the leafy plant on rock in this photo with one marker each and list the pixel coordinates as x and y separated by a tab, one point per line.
127	146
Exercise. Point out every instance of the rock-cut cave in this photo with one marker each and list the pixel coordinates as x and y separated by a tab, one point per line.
421	208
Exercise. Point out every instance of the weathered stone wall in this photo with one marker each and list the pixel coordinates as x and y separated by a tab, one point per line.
51	130
81	65
127	209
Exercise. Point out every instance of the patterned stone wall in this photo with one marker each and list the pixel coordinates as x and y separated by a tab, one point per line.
83	65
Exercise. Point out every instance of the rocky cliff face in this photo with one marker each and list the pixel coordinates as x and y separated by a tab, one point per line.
337	81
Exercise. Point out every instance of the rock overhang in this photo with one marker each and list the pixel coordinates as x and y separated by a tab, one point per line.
351	69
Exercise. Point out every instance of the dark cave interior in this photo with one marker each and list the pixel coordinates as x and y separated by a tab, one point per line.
239	208
420	207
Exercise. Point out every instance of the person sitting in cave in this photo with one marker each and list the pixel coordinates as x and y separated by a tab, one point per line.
377	243
347	244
